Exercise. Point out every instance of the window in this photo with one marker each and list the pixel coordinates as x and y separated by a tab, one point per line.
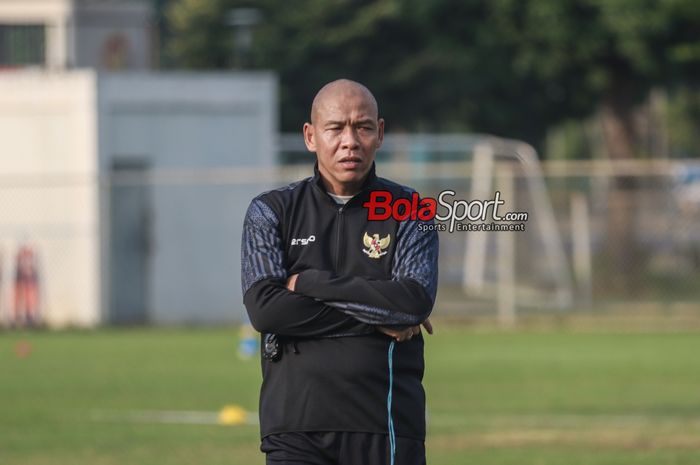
22	45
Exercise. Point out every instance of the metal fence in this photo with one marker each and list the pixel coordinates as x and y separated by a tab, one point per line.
598	234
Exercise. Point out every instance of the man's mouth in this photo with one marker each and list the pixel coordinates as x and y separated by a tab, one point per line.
350	162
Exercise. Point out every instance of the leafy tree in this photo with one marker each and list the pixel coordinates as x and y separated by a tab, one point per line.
198	36
510	67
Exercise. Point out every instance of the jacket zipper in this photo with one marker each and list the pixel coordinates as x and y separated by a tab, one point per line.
339	230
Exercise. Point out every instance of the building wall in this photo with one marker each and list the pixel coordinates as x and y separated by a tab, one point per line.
185	127
113	35
65	139
56	15
99	34
48	191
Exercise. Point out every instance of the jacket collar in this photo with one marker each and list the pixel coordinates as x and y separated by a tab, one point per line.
367	185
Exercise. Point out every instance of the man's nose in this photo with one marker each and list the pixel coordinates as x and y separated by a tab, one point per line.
349	138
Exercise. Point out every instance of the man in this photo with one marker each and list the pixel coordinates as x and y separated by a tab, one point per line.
339	300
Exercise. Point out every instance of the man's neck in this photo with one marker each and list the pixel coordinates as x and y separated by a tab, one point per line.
351	189
340	199
343	190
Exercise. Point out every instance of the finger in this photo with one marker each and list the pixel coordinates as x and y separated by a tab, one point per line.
428	326
291	282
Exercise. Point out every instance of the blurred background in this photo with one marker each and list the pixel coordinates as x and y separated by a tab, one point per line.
133	135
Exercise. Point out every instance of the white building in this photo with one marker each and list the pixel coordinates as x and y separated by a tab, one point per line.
76	147
64	34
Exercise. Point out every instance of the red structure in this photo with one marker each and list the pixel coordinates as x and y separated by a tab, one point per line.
2	295
26	311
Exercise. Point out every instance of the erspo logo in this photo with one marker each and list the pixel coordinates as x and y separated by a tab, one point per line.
382	206
304	240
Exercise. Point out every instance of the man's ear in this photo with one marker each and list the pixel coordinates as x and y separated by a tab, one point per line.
309	137
380	132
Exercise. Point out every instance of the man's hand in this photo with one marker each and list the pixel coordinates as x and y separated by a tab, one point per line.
292	281
399	334
406	334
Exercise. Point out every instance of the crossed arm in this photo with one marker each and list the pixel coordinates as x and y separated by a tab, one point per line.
400	333
317	303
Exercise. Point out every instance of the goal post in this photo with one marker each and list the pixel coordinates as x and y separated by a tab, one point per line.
486	271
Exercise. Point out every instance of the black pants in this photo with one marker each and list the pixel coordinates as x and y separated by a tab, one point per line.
340	449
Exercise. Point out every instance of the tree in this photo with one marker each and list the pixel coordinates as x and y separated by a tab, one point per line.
508	67
610	54
198	35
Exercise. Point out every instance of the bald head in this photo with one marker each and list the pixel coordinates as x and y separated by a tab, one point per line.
345	133
339	90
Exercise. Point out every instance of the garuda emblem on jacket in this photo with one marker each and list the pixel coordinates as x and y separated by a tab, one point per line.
375	245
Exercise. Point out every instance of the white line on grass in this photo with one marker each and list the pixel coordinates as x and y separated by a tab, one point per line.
179	417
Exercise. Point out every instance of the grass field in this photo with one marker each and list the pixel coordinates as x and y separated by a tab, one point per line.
494	397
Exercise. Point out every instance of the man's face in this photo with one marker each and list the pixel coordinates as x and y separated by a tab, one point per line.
345	133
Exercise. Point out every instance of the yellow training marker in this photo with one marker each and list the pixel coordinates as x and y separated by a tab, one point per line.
232	415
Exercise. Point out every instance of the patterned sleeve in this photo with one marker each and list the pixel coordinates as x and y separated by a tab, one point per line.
261	247
417	256
272	308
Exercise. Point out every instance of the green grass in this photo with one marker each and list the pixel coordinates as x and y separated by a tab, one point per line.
494	397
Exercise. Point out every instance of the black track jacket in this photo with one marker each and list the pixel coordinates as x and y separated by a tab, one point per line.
334	372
